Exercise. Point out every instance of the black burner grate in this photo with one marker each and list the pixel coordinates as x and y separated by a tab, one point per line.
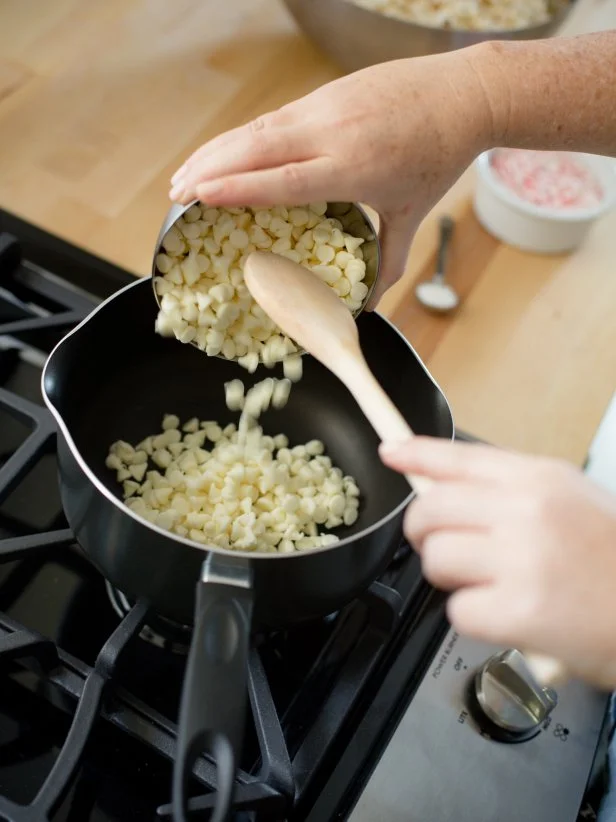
277	781
21	644
41	439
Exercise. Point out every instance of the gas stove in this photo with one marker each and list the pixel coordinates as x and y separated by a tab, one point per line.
365	714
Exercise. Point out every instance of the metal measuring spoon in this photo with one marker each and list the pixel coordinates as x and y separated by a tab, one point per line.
436	294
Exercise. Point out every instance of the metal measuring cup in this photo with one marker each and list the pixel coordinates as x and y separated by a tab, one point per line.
354	219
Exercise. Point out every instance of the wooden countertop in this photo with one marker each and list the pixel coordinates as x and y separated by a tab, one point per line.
99	103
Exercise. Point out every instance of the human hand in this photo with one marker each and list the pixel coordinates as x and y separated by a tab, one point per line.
394	136
527	545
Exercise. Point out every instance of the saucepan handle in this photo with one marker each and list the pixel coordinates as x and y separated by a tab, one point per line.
213	704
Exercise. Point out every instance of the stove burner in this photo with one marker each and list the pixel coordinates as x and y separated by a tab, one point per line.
159	631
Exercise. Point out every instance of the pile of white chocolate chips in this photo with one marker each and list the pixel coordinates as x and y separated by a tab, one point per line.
233	486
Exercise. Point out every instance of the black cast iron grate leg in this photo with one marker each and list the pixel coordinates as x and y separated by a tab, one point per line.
30	451
384	606
255	797
33	544
22	644
276	769
65	319
86	714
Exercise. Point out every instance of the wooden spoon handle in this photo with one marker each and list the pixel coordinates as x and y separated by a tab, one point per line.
382	414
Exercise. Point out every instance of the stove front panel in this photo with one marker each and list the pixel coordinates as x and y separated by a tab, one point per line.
439	767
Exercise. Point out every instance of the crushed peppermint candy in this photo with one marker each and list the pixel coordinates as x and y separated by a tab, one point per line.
548	179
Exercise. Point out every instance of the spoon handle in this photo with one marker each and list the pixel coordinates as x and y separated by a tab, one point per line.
380	411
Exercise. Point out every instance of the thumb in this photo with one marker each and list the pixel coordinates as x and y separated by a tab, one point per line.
395	237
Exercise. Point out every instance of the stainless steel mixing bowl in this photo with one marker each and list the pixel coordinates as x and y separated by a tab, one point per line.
355	37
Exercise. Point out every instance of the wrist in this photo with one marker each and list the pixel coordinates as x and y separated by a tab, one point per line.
489	62
459	112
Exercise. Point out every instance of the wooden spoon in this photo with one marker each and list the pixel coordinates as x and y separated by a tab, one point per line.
313	315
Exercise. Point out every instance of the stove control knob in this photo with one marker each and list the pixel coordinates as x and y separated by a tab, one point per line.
507	701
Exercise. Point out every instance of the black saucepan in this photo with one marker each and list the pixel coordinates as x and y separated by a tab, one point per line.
114	378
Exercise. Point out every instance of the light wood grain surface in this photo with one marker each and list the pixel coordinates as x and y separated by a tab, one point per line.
100	102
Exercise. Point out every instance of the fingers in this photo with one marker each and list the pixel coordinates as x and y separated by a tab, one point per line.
480	612
450	506
248	151
456	560
395	237
265	123
488	613
441	459
206	149
301	182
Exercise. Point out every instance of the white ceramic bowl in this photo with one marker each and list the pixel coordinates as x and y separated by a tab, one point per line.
534	228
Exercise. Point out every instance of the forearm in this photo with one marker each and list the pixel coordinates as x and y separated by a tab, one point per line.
557	94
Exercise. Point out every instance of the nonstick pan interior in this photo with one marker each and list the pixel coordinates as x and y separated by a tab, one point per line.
115	378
